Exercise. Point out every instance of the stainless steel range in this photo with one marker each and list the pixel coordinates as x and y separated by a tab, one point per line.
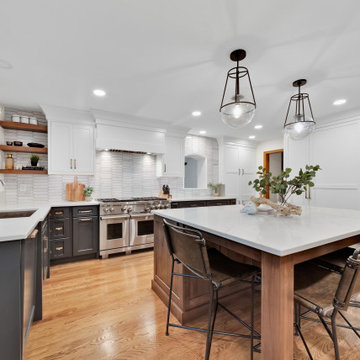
127	224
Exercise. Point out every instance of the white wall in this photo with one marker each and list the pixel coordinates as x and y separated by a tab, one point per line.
336	148
269	145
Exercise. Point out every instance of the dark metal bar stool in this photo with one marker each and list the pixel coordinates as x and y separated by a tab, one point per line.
188	247
326	294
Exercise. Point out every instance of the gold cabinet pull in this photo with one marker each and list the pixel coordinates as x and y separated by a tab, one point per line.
34	233
74	163
59	228
85	211
85	219
70	163
59	212
59	248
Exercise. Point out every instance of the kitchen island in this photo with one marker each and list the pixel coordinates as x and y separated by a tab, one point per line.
24	265
275	243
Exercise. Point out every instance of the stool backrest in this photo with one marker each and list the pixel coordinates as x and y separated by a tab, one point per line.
189	247
349	279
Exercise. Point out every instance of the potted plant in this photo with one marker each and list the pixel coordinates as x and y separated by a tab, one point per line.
88	190
34	159
284	187
214	188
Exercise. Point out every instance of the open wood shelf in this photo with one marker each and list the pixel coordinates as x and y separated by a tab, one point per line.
25	149
24	127
23	172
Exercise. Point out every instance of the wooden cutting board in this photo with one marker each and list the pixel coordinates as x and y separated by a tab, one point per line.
75	191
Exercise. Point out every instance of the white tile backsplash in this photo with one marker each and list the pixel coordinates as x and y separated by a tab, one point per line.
118	174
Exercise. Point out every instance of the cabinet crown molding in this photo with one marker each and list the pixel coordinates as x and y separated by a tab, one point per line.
69	115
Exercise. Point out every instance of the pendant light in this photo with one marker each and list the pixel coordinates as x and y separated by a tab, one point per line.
238	102
302	123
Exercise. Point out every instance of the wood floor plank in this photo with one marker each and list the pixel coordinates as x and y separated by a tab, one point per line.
105	309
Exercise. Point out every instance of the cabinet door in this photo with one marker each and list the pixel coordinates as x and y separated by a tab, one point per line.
83	149
231	171
60	148
247	165
174	157
85	235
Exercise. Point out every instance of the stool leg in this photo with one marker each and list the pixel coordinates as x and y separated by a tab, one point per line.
170	296
252	318
334	334
211	320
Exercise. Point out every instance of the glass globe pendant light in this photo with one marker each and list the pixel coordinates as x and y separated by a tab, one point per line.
302	123
238	103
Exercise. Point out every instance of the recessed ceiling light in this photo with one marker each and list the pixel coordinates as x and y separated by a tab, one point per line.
339	102
257	127
196	113
202	132
99	92
252	137
106	149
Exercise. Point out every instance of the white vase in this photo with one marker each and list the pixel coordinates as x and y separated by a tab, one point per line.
88	198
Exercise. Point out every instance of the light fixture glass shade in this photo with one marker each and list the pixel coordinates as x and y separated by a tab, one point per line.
237	114
238	101
300	129
302	123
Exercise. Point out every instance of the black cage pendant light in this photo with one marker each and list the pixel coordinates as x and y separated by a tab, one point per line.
238	102
302	123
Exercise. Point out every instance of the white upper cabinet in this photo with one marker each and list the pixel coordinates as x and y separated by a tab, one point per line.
172	162
71	149
238	168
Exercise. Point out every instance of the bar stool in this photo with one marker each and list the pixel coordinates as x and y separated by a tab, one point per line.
326	294
188	247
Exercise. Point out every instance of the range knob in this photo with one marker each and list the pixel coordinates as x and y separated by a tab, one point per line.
123	209
129	210
106	210
147	209
112	209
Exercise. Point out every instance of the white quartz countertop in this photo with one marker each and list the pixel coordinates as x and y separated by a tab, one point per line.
21	228
278	235
202	198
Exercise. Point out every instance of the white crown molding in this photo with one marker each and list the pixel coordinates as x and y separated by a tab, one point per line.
227	140
345	120
58	113
136	122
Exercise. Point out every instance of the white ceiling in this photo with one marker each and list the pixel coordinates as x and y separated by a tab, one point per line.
162	59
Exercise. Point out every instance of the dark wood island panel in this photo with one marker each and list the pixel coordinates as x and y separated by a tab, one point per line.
191	296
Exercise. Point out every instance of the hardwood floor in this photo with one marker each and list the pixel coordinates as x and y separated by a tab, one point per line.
105	309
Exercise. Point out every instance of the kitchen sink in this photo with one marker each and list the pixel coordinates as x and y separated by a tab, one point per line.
15	214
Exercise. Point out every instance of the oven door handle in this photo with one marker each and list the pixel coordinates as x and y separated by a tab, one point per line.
144	216
110	217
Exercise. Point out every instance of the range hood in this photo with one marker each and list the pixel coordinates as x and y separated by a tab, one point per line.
128	134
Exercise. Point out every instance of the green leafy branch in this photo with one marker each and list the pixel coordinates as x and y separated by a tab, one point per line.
282	185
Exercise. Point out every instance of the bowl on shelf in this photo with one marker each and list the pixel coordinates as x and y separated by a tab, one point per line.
18	143
9	143
36	145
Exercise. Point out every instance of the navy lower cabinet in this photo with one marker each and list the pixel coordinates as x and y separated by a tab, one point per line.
74	233
85	235
21	292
